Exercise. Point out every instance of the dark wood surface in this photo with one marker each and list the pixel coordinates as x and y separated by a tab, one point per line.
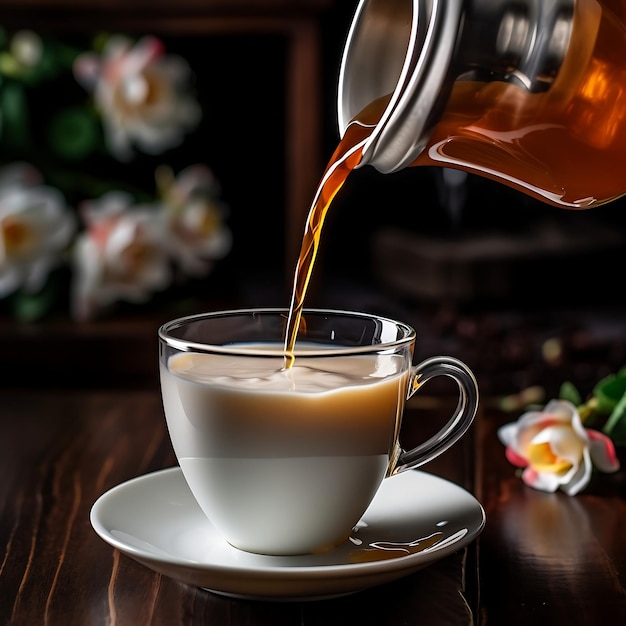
542	558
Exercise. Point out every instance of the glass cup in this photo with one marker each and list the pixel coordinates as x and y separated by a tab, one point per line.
284	457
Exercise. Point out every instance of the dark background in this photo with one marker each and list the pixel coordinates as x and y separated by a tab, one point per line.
574	298
239	81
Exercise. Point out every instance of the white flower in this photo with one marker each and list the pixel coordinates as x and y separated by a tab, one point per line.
27	48
196	234
555	449
120	256
142	94
35	228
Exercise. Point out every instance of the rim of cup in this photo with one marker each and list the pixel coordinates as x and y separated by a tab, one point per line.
408	334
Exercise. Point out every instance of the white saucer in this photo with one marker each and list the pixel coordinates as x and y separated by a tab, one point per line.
415	519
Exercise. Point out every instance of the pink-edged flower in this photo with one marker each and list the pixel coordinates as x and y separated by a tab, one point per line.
195	230
555	449
120	256
142	94
36	227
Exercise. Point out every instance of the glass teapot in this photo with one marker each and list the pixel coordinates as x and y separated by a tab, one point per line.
531	93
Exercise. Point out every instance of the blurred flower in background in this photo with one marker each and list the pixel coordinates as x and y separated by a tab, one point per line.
24	54
194	218
142	94
119	256
128	251
76	113
36	228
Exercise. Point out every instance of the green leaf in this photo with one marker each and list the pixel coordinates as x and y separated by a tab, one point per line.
32	307
569	392
615	427
609	391
8	64
63	53
73	133
14	112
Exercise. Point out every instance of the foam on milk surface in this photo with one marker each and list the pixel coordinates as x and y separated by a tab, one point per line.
307	375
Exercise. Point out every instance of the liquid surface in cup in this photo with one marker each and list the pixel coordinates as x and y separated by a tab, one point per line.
320	406
262	446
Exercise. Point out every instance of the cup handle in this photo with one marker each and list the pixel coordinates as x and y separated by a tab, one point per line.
461	419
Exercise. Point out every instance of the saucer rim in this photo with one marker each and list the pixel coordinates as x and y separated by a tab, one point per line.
392	568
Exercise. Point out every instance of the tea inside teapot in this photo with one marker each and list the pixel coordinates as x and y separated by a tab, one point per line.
530	93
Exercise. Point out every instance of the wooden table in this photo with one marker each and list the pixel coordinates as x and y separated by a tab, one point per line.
542	558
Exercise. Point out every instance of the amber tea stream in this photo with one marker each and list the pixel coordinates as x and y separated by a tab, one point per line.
345	158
